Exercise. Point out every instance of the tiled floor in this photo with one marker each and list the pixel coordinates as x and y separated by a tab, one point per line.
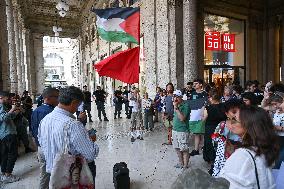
150	163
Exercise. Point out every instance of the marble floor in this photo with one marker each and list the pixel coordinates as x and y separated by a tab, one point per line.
150	163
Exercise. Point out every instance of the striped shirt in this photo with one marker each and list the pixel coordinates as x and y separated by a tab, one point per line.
51	137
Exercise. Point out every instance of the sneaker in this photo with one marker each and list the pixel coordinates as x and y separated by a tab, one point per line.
132	139
178	166
194	152
141	138
10	179
28	150
138	137
2	177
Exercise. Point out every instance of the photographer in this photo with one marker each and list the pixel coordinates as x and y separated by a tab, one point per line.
27	104
8	136
21	124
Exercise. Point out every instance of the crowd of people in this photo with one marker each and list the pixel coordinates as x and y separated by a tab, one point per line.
239	131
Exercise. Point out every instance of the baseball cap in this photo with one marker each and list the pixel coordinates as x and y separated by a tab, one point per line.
178	93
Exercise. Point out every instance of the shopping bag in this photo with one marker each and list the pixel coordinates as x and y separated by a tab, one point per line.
70	171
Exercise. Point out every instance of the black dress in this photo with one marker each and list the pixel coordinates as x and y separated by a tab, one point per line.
216	114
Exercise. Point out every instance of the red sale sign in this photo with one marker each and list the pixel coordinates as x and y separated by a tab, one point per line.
228	42
213	41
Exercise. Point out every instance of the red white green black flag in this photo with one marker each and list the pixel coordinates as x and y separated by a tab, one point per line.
119	24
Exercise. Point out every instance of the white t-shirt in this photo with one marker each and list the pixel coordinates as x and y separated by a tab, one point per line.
278	119
239	170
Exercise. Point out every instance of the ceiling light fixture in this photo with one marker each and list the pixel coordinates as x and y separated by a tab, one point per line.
62	8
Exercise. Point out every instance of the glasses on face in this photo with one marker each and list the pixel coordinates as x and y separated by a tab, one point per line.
233	120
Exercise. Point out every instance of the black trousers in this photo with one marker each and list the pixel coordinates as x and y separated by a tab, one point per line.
101	109
9	152
23	134
129	112
117	109
209	153
126	107
88	107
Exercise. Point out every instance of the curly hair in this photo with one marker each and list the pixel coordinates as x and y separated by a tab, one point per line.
260	135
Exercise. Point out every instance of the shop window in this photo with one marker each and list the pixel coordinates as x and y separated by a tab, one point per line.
224	50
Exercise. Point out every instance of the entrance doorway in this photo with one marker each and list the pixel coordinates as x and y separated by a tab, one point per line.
222	75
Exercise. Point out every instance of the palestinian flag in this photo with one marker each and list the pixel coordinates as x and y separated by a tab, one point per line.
119	24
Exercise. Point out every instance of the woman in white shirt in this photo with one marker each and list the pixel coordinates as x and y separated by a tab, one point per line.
249	167
276	101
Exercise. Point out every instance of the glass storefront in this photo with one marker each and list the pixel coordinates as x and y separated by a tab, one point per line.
224	50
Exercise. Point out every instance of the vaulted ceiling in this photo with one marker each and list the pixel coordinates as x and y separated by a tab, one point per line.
41	15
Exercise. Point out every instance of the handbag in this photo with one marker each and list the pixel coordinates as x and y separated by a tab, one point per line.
70	170
255	169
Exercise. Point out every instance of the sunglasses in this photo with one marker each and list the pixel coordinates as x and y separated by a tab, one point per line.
233	120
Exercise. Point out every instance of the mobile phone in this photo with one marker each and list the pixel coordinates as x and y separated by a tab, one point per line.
92	132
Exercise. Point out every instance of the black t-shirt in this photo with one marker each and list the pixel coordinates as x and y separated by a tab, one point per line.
125	94
27	102
100	95
259	95
88	97
216	114
195	95
118	95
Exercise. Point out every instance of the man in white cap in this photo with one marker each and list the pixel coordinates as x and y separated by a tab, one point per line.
180	135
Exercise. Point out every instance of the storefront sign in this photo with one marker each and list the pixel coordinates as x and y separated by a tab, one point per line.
213	41
228	42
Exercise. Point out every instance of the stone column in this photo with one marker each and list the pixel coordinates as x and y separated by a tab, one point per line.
282	44
12	47
272	60
32	70
39	62
28	59
172	41
148	22
179	52
162	29
190	40
18	53
22	65
4	49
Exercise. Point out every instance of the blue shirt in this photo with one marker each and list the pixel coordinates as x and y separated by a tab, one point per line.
37	115
51	137
7	125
